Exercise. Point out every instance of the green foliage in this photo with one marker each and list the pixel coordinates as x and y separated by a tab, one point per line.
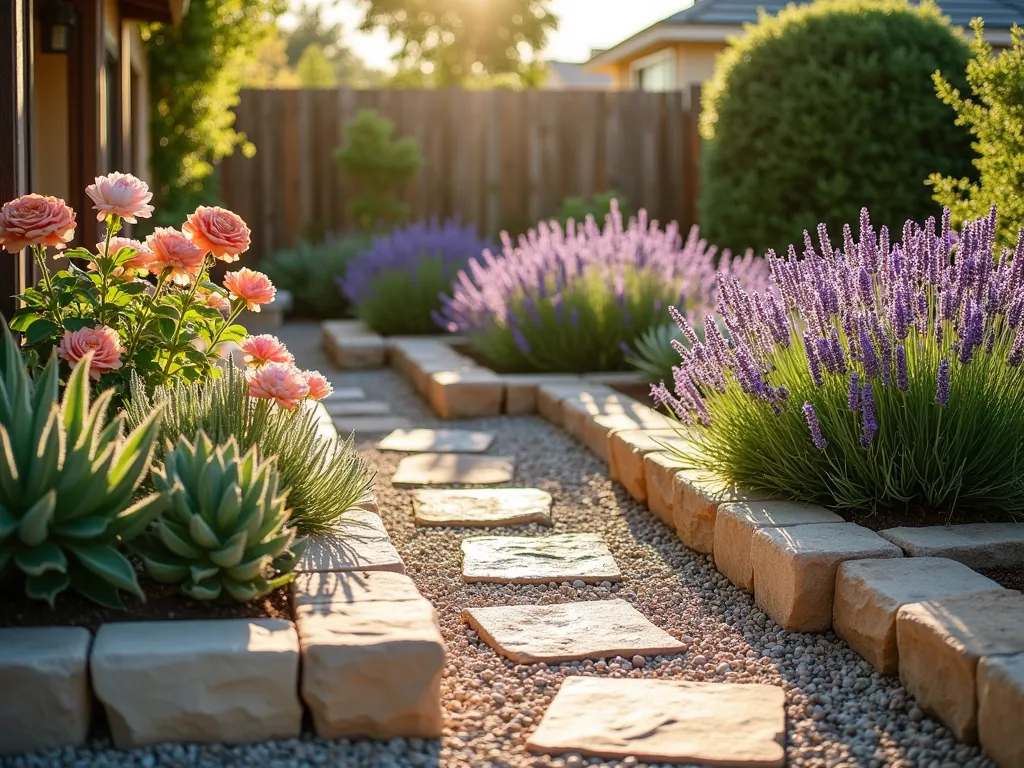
403	303
653	354
311	272
224	536
323	477
456	41
379	164
994	114
315	70
194	80
67	478
823	109
598	206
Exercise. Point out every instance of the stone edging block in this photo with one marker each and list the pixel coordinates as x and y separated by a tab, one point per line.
551	396
979	545
46	702
466	394
1000	704
359	543
659	478
521	390
696	497
350	344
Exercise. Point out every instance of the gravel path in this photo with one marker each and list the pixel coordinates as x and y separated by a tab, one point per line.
840	712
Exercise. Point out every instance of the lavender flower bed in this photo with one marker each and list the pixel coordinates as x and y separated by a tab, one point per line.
879	376
574	300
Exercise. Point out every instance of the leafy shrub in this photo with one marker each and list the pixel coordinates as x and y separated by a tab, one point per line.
396	283
67	478
994	114
311	272
598	206
225	534
379	164
324	478
574	300
823	109
879	377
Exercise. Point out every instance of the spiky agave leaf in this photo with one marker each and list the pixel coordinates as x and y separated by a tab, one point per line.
225	536
67	478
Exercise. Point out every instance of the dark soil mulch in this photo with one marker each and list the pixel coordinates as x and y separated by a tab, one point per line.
903	518
1011	578
163	603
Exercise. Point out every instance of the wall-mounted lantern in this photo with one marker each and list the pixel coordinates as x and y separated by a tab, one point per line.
57	18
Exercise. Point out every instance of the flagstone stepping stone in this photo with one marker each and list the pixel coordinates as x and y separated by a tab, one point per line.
341	394
482	508
436	440
359	543
453	469
370	425
538	560
357	408
570	631
666	721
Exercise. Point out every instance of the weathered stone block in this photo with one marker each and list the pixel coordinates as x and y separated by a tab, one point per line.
521	389
696	496
940	643
579	410
795	569
360	352
626	451
224	680
551	396
359	543
1000	706
423	370
599	429
735	525
466	394
979	545
46	701
870	592
659	478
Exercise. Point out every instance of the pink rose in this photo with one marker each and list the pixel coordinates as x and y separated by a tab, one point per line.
319	386
120	194
263	349
102	341
137	264
213	299
36	220
219	231
253	287
175	252
280	382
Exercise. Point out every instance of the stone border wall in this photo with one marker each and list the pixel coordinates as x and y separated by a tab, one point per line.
364	656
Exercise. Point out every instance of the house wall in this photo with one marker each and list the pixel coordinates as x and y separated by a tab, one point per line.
51	174
694	64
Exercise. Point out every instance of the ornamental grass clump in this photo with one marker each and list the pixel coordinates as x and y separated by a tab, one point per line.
396	283
577	299
880	375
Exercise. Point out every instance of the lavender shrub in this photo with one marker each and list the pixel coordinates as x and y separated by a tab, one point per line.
396	283
879	375
576	299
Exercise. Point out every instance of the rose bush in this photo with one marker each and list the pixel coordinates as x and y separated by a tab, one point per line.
149	307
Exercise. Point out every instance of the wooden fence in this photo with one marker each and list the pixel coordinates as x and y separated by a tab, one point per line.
496	159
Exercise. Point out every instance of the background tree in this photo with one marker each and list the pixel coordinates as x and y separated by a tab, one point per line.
314	70
194	79
313	30
268	66
994	114
463	39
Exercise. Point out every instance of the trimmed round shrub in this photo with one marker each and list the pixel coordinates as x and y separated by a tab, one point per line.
310	272
576	300
396	284
825	109
875	377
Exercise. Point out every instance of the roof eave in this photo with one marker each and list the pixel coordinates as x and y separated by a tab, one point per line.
660	33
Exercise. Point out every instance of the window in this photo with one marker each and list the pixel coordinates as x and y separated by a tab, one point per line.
657	75
112	109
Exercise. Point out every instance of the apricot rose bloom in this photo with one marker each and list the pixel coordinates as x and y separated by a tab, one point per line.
263	349
282	383
173	251
214	299
251	286
139	263
319	386
102	341
218	231
120	194
36	220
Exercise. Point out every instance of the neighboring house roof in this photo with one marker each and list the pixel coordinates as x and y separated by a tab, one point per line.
716	20
565	74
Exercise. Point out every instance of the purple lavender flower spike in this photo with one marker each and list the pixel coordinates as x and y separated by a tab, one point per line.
902	379
942	382
574	318
520	340
853	395
815	428
813	363
869	426
1017	350
868	355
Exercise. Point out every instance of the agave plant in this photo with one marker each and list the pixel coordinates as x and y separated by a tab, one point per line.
67	478
224	535
653	353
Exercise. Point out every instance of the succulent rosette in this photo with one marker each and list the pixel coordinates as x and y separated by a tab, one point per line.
877	375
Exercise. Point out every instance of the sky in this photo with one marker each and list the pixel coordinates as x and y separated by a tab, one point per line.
583	25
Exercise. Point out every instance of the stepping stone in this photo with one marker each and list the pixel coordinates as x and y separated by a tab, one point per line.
666	721
533	560
1000	703
436	440
940	644
358	408
870	592
453	469
483	508
342	394
359	543
979	545
370	425
570	631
